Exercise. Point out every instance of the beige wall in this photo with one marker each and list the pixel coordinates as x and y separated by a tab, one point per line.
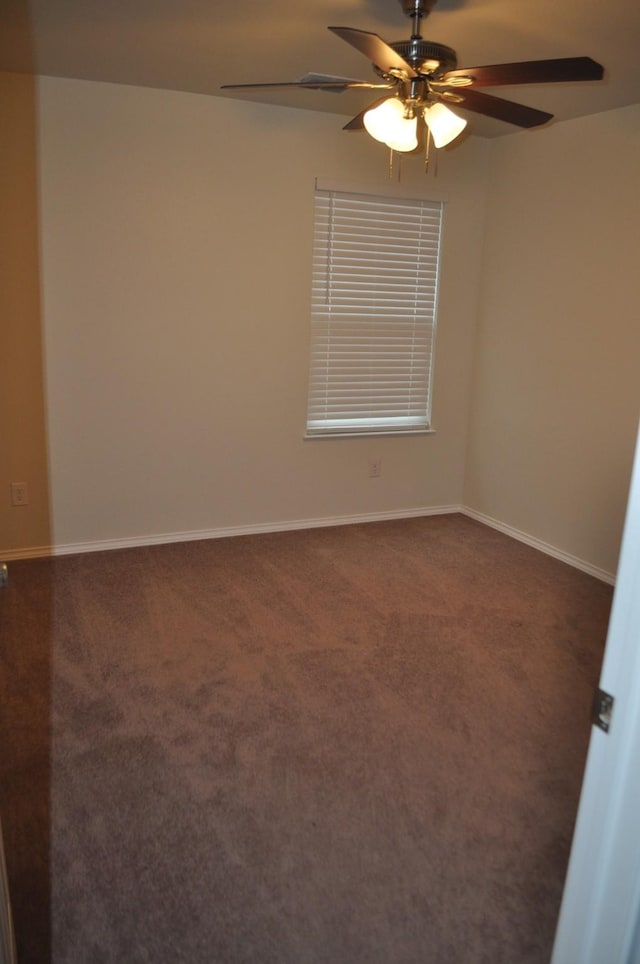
176	237
556	393
176	240
23	456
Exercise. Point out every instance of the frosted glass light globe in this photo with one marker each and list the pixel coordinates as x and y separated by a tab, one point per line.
387	123
444	125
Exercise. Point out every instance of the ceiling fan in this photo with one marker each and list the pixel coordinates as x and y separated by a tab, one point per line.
423	81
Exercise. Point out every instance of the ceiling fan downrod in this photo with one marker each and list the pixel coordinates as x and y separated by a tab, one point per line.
416	10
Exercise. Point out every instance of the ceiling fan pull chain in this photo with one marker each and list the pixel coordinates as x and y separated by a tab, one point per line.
395	156
427	150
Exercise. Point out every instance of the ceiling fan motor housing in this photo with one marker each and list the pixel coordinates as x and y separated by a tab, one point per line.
425	56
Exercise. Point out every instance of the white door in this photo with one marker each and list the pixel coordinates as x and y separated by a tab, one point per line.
7	939
600	915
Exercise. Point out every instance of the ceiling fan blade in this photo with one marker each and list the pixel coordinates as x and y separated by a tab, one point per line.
568	69
505	110
357	123
330	82
375	49
337	86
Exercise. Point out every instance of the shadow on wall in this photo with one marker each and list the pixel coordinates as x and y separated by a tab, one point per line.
25	620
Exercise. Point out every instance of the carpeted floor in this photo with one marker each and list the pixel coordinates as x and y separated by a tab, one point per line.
333	746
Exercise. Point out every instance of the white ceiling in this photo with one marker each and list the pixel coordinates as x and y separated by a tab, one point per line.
197	45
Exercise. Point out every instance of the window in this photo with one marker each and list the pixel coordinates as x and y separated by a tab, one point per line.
374	292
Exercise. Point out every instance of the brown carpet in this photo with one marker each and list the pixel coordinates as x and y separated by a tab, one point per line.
360	744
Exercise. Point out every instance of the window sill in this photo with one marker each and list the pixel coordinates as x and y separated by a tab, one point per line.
373	433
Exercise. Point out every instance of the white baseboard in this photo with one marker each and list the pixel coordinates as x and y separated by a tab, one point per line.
32	552
38	552
549	550
104	545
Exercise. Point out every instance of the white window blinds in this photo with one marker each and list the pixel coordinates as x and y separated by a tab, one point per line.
375	282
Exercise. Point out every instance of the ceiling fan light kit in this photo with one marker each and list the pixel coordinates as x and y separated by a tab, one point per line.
423	77
395	124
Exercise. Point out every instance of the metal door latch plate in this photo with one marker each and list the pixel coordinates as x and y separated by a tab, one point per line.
602	709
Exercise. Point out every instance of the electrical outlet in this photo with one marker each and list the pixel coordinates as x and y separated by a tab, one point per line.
19	493
375	468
